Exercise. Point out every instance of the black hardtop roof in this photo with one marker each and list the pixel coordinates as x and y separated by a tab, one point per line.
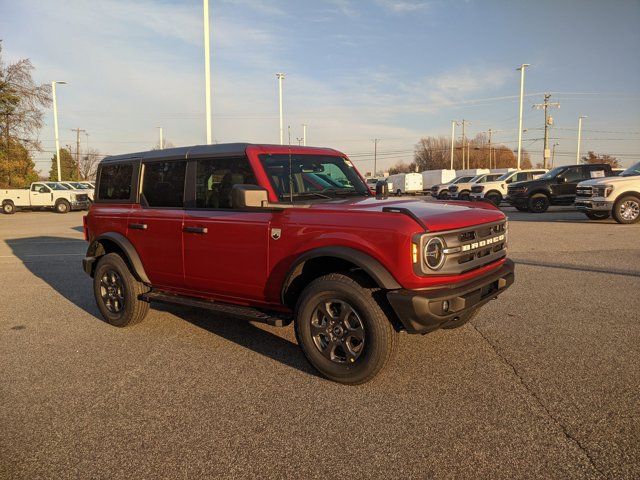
194	151
181	152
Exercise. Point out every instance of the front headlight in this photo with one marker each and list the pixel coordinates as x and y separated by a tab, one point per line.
434	253
602	190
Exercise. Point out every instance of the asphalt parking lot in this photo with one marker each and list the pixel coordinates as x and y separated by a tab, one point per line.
544	383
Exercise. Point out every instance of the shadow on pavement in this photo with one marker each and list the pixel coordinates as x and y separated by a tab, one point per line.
578	268
245	334
57	261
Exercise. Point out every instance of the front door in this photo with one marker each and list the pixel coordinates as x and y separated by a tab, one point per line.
155	227
225	250
40	195
566	191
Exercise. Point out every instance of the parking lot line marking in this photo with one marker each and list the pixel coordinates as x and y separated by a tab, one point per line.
45	255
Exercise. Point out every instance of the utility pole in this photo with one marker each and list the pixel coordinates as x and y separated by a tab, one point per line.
304	134
464	122
490	132
78	130
280	77
375	155
161	138
453	139
579	137
207	69
548	121
468	156
55	124
521	68
553	154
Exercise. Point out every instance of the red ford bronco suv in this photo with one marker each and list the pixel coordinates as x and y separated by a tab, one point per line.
279	234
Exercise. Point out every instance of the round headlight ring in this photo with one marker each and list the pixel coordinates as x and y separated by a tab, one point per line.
434	256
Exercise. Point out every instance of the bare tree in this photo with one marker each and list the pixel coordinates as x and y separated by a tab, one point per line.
592	157
89	164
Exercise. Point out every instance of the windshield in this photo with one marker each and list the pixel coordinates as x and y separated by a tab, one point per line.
632	171
57	186
78	186
302	177
505	176
552	173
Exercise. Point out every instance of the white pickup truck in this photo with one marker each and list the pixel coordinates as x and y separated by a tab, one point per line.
618	196
43	195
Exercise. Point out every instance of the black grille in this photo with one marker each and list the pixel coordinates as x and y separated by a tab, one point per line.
585	191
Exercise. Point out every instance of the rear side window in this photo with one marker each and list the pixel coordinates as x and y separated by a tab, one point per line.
215	178
115	182
163	184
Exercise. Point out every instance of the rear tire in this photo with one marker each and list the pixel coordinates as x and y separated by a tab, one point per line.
494	198
117	292
63	206
443	195
343	330
627	209
538	203
8	207
597	215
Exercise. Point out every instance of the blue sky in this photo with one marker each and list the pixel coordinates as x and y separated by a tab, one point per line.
356	70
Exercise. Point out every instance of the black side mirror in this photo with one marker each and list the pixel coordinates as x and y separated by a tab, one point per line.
561	179
249	196
382	188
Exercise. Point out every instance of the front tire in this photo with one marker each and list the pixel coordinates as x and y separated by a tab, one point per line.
538	203
494	198
597	215
627	209
117	292
8	208
342	329
63	206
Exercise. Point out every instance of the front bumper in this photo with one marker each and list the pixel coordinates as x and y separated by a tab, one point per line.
80	205
476	196
421	311
593	205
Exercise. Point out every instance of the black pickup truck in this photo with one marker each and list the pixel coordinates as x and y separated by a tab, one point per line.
556	187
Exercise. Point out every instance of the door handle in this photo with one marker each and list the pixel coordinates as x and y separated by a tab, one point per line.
138	226
201	230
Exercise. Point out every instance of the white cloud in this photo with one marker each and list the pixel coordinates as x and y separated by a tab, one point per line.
404	6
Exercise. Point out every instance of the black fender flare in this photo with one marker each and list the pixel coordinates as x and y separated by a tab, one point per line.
366	262
132	257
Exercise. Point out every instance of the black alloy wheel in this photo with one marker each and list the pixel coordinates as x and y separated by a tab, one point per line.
337	330
538	203
112	291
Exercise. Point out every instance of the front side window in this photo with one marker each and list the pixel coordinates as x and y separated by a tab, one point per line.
573	174
303	177
115	182
522	176
216	177
163	184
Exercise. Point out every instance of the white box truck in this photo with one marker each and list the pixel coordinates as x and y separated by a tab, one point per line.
436	177
410	183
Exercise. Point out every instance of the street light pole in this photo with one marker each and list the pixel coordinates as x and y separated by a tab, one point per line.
453	140
579	137
55	124
161	139
521	68
207	69
280	77
304	134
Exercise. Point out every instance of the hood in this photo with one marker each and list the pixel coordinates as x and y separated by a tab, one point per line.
615	180
435	215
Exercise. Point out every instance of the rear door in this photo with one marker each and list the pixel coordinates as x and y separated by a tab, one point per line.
225	250
155	226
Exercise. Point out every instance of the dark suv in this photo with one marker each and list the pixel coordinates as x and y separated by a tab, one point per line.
278	234
556	187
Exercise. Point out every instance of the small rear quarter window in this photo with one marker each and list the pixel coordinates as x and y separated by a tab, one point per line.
115	182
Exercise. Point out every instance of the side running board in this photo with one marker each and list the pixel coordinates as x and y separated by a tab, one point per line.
247	313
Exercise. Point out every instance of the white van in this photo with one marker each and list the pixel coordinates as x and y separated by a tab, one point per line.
436	177
405	183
